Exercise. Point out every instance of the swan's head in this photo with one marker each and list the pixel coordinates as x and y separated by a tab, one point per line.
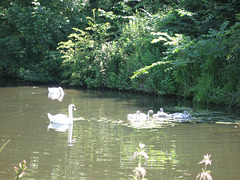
161	109
150	112
72	106
61	90
138	112
187	114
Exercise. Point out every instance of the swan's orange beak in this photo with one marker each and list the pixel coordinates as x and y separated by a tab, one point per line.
74	109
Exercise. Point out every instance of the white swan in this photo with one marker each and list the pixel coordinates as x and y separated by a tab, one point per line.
62	118
162	114
138	116
184	115
145	116
54	96
55	90
133	117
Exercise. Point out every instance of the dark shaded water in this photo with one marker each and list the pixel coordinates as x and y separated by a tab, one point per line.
104	141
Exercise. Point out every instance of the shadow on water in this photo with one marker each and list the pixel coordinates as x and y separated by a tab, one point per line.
100	144
13	82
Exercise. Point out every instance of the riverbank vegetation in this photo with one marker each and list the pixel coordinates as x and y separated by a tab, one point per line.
185	48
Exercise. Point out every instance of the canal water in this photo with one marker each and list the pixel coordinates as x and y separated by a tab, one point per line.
101	143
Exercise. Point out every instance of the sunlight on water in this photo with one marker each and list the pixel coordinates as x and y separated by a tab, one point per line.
101	143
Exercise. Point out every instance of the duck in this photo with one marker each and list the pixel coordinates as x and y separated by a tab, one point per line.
184	115
55	90
161	114
62	118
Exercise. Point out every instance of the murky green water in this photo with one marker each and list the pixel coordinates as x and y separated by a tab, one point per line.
105	142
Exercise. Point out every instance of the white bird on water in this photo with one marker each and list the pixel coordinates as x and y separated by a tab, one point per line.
138	116
162	114
55	90
62	118
146	116
133	117
184	115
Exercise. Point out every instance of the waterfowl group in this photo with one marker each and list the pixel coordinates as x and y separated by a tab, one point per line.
135	117
159	116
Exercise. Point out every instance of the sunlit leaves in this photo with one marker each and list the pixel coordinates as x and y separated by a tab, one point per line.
168	40
183	12
146	68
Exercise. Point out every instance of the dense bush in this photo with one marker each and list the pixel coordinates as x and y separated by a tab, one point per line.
30	33
184	48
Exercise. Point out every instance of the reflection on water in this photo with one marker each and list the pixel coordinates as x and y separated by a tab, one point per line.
55	96
58	127
101	142
63	128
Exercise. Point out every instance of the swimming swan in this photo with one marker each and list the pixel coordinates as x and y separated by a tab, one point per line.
133	117
62	118
184	115
162	114
54	96
144	116
55	90
138	116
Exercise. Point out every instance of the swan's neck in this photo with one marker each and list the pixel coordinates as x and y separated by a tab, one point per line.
70	112
60	90
137	115
148	115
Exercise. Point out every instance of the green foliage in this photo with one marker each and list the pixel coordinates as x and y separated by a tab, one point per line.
177	21
184	48
198	68
76	54
31	32
104	63
215	83
81	64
